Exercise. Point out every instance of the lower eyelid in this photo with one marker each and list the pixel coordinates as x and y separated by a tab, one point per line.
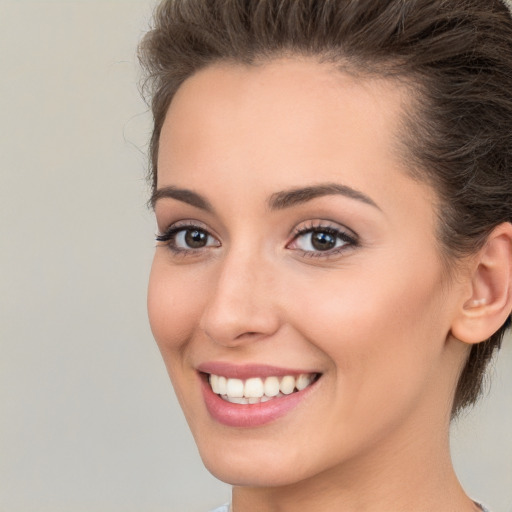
325	255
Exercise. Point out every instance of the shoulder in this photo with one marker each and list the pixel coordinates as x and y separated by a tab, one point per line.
223	508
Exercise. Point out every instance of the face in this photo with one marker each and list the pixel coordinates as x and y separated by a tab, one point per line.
297	263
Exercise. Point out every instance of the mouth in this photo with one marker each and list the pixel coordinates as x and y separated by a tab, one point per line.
253	395
257	390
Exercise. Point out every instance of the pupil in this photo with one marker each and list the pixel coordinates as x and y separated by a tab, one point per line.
323	241
195	238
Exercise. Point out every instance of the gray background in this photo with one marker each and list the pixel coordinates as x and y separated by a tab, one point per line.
88	420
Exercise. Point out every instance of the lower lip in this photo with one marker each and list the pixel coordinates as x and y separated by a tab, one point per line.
250	415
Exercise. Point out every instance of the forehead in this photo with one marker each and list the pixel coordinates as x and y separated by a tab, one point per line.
289	104
283	123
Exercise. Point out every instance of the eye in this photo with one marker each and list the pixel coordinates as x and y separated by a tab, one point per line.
187	238
321	240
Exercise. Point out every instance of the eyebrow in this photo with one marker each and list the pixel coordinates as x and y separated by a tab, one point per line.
277	201
181	194
296	196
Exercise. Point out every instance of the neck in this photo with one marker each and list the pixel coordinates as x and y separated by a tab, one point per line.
415	475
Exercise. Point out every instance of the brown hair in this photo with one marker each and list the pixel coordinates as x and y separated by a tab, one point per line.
455	56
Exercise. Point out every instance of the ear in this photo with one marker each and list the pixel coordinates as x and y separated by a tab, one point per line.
488	303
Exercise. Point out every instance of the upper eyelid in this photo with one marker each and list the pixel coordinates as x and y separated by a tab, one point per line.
184	224
314	225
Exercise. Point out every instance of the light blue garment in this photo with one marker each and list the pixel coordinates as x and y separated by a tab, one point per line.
223	508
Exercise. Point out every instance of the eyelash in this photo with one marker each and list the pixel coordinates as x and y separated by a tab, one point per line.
350	240
169	238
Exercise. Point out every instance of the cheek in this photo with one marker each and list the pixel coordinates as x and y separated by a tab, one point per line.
173	305
383	327
386	293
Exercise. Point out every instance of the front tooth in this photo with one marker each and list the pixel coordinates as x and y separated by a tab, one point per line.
287	385
235	388
253	388
222	386
303	381
271	386
214	383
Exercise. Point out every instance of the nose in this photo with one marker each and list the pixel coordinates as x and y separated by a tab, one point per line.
242	306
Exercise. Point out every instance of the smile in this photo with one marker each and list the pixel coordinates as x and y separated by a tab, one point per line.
257	390
253	395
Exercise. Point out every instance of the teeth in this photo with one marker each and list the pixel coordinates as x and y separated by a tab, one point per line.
235	388
303	381
256	390
222	386
236	400
287	385
271	386
253	388
214	383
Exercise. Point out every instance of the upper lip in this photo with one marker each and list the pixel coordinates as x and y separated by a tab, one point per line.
246	371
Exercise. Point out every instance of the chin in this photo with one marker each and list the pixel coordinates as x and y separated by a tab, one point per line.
252	475
254	466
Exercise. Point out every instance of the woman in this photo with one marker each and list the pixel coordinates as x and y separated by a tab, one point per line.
333	193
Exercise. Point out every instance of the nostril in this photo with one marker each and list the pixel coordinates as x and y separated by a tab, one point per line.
248	334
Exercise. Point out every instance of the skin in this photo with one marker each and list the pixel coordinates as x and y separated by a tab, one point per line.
374	318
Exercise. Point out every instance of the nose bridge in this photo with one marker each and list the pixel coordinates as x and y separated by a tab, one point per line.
241	305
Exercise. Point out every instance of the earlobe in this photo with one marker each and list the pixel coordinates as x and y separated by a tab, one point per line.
490	301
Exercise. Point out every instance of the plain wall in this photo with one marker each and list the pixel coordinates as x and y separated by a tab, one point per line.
88	419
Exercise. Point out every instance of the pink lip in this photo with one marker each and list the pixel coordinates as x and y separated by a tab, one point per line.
247	371
249	415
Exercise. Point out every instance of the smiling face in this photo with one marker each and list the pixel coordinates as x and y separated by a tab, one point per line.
296	252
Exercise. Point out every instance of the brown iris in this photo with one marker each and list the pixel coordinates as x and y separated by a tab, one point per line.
196	238
323	241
